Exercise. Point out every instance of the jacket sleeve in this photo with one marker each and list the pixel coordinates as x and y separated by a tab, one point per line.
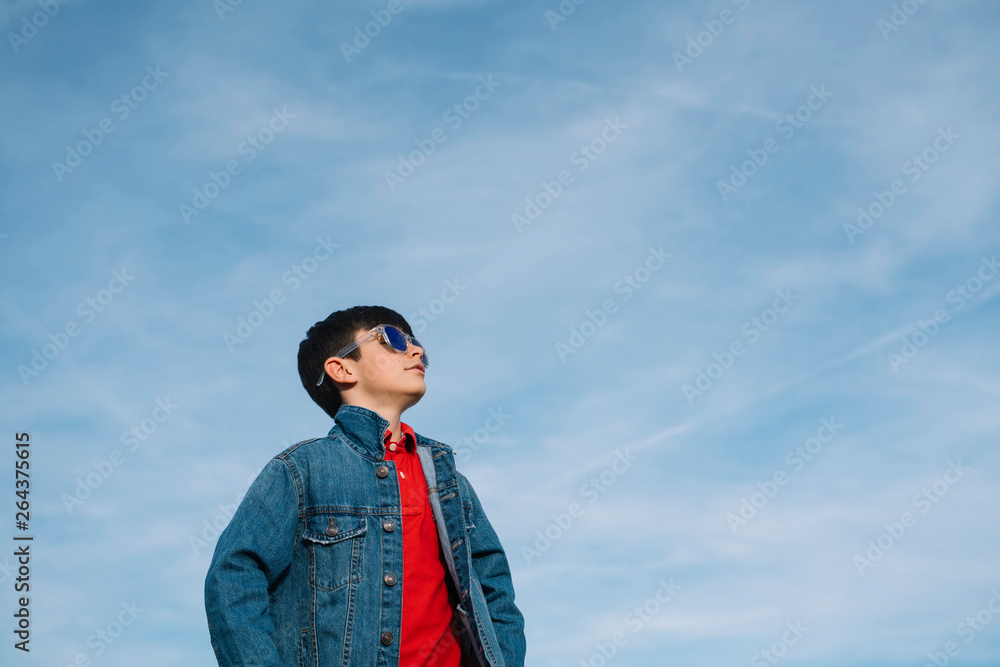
253	550
493	572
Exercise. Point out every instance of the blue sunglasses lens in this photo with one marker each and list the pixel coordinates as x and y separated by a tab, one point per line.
398	342
396	338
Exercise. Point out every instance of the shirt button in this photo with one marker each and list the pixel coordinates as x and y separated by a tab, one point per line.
392	447
382	470
386	638
388	526
389	579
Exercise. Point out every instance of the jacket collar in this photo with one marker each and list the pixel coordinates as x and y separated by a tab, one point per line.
365	431
364	428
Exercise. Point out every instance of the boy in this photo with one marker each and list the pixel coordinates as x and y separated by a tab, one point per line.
366	547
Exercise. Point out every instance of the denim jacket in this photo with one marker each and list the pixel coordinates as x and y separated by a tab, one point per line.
309	570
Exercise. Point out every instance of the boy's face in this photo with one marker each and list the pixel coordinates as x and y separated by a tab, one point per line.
382	377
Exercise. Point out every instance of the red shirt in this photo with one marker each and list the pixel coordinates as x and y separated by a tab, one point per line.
426	636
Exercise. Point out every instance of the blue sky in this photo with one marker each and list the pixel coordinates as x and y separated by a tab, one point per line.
634	232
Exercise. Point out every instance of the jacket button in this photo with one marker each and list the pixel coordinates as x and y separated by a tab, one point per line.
386	638
388	526
389	579
332	529
382	470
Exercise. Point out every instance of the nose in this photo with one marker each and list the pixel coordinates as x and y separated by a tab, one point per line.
417	352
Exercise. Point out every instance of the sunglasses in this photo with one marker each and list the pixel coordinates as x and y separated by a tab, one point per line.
389	335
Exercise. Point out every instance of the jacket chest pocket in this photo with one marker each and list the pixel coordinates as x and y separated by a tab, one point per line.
335	541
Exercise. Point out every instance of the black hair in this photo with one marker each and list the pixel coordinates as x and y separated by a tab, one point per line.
324	339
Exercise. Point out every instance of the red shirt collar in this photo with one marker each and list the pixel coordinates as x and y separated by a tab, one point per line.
408	437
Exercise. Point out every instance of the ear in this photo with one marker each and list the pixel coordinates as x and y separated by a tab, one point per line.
339	371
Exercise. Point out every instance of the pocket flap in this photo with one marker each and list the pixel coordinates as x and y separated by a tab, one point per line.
332	527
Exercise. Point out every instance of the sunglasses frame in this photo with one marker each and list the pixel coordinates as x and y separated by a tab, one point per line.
379	330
